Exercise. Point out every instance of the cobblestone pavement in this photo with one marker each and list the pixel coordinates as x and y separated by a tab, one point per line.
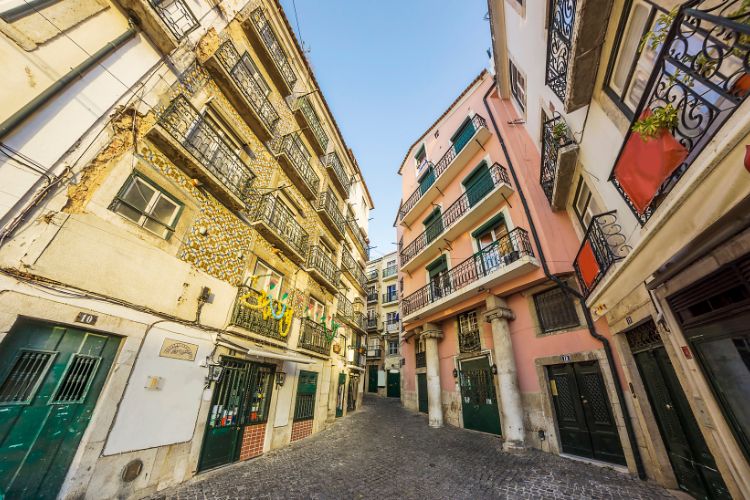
384	451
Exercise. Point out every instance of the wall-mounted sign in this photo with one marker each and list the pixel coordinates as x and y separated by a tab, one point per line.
86	318
176	349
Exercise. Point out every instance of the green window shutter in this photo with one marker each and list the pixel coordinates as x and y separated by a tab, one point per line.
462	136
487	226
478	183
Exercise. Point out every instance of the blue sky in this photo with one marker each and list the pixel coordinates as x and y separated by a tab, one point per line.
388	69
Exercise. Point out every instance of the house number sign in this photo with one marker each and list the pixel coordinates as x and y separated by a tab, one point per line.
86	318
565	357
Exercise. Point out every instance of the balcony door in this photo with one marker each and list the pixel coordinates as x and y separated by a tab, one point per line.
463	135
433	225
493	245
439	281
478	184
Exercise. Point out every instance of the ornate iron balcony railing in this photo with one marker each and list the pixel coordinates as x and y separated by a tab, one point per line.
372	322
559	44
392	326
358	238
313	338
420	359
496	175
281	220
318	260
487	261
252	319
177	16
702	73
239	67
299	159
359	319
441	166
344	307
273	46
602	246
390	297
374	353
555	136
313	122
389	271
333	162
188	127
327	203
351	266
372	296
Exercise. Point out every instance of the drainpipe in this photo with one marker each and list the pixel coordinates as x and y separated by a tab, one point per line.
35	104
587	314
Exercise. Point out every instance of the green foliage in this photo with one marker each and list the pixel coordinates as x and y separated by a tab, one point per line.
560	130
658	35
664	118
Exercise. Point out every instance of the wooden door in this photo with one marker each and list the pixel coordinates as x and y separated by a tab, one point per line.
393	385
422	392
372	378
478	400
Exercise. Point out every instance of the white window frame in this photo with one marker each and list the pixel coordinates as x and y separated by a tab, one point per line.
265	274
146	215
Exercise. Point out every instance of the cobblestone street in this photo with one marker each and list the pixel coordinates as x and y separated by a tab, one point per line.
384	451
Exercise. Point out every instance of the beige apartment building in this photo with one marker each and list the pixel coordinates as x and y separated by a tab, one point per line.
183	237
383	327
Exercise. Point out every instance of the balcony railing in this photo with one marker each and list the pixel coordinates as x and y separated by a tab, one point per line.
372	275
421	359
374	353
333	163
359	320
286	231
352	267
602	246
492	259
555	137
271	42
239	67
559	43
344	307
390	297
392	326
358	238
183	122
253	319
313	338
177	16
313	121
372	296
459	208
372	322
389	271
298	163
321	264
700	77
331	214
441	166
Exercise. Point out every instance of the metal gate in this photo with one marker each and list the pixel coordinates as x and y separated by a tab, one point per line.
478	401
584	417
50	379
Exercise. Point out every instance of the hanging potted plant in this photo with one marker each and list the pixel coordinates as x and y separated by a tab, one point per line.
560	132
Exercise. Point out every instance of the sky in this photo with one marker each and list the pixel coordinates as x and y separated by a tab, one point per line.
388	70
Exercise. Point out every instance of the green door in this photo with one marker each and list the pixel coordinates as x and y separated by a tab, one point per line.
692	462
393	385
584	416
422	392
433	225
427	181
340	395
462	136
478	400
478	184
50	379
372	378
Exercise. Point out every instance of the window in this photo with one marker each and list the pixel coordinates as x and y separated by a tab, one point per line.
24	378
433	225
253	69
391	263
421	161
393	347
224	130
490	232
391	317
584	205
143	202
555	310
315	308
632	62
269	280
304	409
518	86
259	392
390	294
468	332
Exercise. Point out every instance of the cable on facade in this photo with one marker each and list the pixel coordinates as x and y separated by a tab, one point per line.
582	300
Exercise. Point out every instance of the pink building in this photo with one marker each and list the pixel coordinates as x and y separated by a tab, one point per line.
492	341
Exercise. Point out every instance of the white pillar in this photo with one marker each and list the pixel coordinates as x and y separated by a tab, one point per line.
498	315
431	333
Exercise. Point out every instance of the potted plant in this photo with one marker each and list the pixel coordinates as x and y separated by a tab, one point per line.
560	131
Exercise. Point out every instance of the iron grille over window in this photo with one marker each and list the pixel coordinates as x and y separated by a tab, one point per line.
78	377
304	408
468	332
555	310
643	337
25	376
559	42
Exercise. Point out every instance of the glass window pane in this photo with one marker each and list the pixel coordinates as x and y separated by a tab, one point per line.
164	210
128	212
156	227
138	194
631	41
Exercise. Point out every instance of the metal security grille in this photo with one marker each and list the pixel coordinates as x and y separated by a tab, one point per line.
304	408
25	376
468	332
226	410
594	389
75	384
643	337
555	310
476	386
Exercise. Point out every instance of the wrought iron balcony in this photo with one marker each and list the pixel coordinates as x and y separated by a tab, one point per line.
701	76
372	322
392	326
372	275
344	308
330	214
602	246
190	141
559	46
358	238
389	297
470	200
336	171
493	261
313	127
323	269
374	353
390	271
476	125
295	160
313	338
235	75
372	296
359	320
421	359
277	224
353	269
559	156
253	320
259	30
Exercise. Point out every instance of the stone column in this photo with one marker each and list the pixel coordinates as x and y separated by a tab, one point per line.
432	333
498	314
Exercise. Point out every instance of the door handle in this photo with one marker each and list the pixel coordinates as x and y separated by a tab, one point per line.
668	406
584	401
